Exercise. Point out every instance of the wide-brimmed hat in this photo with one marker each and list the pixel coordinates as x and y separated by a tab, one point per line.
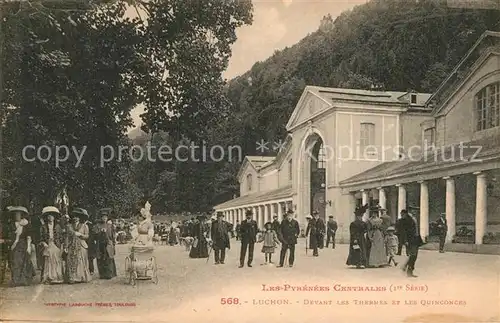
104	211
268	224
248	213
390	229
330	216
315	212
21	209
308	217
80	213
51	210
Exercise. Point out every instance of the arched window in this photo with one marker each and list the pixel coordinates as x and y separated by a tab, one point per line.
487	102
367	135
319	155
249	182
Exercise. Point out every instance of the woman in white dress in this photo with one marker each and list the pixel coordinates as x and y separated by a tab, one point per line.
52	244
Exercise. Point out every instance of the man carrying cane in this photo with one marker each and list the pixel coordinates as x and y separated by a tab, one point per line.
289	231
220	237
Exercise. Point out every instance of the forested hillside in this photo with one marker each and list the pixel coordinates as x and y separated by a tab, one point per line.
392	44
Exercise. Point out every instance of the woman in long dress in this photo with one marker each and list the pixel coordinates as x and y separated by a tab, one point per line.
200	233
77	262
357	246
21	266
105	239
377	257
52	244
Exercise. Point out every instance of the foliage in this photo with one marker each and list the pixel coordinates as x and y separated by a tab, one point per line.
72	73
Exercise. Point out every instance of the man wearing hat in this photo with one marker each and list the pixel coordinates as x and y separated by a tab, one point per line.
442	226
220	238
413	241
313	231
248	237
332	230
288	234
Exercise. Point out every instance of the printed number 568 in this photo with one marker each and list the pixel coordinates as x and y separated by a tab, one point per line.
229	300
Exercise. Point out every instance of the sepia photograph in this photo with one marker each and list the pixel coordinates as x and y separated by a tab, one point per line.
241	161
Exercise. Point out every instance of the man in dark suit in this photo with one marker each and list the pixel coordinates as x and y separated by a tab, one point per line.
401	236
442	226
332	230
220	238
248	237
315	229
289	231
409	227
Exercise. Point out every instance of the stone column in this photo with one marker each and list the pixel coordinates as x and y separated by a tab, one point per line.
255	213
481	206
280	211
266	214
424	209
450	207
262	215
401	198
364	201
382	199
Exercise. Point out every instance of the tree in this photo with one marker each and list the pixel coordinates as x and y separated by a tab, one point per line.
67	83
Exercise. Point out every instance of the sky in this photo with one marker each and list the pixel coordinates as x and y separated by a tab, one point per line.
276	24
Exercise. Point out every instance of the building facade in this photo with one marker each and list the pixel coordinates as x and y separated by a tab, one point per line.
349	147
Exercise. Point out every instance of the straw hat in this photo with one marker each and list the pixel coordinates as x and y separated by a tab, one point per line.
21	209
51	210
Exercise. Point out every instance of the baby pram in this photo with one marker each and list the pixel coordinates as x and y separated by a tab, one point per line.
140	264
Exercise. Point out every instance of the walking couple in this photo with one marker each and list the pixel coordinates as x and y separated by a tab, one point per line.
288	232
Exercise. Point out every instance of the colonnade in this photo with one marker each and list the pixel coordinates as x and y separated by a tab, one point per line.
262	212
480	212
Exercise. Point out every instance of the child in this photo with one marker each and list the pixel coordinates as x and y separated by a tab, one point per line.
270	239
391	245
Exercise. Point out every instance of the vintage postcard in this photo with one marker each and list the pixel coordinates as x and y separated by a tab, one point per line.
250	161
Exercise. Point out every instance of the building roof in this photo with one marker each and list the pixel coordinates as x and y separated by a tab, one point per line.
386	97
459	73
280	193
450	156
256	161
260	161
